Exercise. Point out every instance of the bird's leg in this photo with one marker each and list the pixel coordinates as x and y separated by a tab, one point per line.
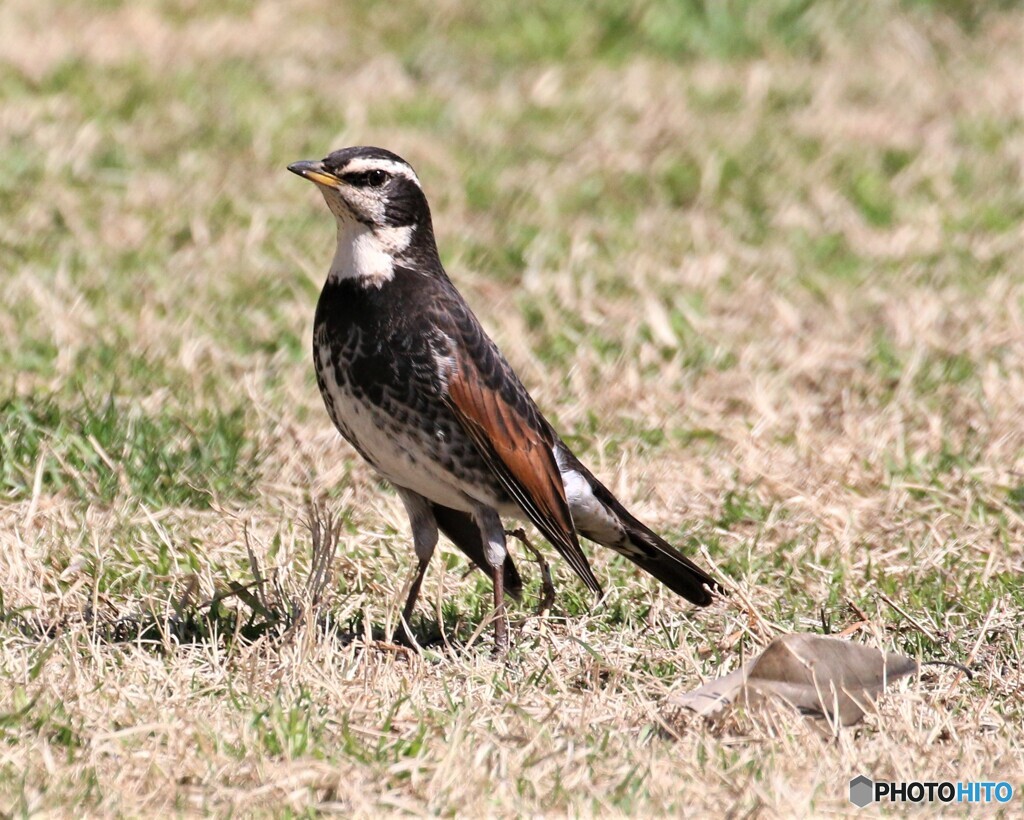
424	537
547	597
402	633
494	552
500	624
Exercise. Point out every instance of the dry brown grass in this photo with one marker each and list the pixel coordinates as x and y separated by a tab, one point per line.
806	363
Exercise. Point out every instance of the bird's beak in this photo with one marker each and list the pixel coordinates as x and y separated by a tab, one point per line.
315	172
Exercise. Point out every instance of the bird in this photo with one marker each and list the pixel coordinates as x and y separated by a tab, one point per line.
413	382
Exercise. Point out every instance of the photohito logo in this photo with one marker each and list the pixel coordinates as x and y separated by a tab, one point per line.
864	790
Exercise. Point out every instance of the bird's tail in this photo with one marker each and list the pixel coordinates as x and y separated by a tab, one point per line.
598	515
654	555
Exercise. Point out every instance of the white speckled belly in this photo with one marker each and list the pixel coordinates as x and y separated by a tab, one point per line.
401	454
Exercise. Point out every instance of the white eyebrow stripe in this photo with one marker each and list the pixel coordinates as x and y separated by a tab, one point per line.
361	164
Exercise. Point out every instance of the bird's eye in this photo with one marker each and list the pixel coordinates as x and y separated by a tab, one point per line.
373	178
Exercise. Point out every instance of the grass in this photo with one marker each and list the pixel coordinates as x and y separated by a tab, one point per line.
759	262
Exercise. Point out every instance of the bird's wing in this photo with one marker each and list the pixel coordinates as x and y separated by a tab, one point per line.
499	416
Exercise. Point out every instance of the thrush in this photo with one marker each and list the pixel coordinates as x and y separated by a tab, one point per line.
416	386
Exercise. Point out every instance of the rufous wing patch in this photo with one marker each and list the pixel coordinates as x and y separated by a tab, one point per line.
522	458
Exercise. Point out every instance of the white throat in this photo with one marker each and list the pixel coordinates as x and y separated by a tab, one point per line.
366	253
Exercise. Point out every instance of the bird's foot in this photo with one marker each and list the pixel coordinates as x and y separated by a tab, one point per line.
403	637
501	634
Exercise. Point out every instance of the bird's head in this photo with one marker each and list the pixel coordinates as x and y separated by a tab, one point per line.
382	215
371	186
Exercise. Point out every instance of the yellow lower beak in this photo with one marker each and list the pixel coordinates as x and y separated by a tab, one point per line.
314	171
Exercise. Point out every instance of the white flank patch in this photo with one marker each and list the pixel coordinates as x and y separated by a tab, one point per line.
590	517
368	253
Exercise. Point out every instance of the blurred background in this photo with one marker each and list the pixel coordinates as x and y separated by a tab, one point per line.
760	262
652	201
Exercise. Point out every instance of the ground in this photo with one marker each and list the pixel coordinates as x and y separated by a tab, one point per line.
759	262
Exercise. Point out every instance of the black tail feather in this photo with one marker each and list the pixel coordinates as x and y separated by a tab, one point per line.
641	545
656	556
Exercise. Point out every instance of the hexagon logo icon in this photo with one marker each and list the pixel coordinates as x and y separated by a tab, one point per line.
862	791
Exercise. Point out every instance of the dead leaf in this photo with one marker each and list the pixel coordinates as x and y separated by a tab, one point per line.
820	677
